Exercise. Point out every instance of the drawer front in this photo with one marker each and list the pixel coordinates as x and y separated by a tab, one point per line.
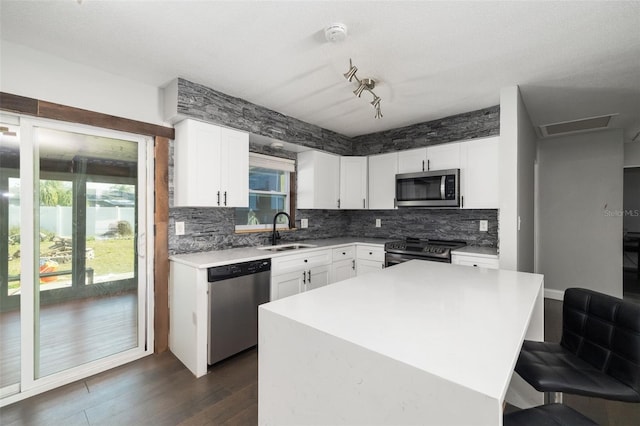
370	253
284	264
480	262
348	252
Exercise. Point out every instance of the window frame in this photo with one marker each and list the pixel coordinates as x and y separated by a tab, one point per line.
273	163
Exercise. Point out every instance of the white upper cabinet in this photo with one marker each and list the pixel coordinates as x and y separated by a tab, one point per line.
435	157
382	180
479	173
412	160
353	182
211	166
442	157
318	180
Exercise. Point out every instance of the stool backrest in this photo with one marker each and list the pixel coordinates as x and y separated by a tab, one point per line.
603	331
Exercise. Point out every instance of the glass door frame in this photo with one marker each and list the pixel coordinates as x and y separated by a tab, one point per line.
30	386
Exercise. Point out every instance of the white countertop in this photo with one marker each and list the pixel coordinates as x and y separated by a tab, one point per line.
488	252
244	254
462	324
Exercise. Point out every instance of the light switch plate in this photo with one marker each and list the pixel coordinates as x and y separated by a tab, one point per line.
484	225
378	223
304	223
179	228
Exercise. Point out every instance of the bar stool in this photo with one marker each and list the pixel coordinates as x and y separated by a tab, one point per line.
598	355
549	415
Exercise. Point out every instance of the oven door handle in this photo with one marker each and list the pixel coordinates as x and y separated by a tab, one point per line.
443	180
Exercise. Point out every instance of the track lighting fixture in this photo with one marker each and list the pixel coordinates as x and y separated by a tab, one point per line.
365	84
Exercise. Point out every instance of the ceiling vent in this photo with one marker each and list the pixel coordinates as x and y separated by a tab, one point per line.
576	126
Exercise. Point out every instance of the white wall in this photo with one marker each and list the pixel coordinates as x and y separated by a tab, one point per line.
35	74
527	157
632	154
580	234
517	158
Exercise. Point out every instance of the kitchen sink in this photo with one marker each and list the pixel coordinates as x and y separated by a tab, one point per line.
286	247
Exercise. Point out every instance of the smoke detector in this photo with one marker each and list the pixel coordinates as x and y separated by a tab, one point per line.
335	32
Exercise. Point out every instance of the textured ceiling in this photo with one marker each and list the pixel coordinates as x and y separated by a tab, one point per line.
430	59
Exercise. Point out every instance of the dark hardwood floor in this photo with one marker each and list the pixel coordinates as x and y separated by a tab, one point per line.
159	390
156	390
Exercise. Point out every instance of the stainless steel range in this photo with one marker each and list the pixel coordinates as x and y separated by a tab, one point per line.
414	248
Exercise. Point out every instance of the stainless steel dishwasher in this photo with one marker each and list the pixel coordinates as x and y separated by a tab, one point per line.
235	291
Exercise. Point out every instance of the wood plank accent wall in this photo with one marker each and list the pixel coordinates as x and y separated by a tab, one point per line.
49	110
161	255
43	109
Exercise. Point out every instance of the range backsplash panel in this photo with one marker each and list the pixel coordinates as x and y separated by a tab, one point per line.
439	224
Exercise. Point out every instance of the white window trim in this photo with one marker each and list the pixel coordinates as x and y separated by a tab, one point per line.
268	162
273	163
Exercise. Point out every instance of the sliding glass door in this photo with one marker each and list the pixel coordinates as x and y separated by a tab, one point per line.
10	330
81	287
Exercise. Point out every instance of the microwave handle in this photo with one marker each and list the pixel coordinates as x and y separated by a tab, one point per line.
443	179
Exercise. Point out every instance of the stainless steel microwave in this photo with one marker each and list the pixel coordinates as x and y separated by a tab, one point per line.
437	188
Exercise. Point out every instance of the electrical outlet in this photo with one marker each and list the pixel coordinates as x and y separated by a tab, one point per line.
378	223
304	223
179	228
484	225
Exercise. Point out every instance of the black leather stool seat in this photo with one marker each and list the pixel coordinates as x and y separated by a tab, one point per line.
547	415
549	367
598	355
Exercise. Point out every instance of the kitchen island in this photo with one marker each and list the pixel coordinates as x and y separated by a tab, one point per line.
417	343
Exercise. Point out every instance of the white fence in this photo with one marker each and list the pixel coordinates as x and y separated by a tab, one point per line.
58	220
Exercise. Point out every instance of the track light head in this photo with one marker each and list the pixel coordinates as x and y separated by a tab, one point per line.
364	84
360	89
351	73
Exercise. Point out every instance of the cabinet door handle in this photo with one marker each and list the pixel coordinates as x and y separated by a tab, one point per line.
462	202
225	198
338	202
423	165
304	277
309	279
364	203
218	197
353	265
428	165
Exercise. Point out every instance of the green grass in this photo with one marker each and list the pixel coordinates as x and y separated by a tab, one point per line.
113	256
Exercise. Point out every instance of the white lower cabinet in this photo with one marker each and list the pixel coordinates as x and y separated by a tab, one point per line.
344	263
369	259
316	277
296	273
286	284
477	261
367	266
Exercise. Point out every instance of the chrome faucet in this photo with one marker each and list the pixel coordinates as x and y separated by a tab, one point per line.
276	235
